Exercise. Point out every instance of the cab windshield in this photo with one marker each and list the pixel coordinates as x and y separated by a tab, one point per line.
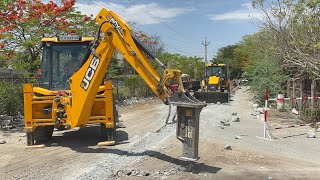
59	62
214	71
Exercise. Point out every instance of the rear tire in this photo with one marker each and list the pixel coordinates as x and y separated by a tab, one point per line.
110	133
107	134
43	133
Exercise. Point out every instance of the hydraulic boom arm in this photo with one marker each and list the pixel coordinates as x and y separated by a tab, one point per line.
117	35
86	81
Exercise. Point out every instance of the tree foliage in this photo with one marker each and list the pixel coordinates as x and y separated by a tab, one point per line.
11	98
294	26
226	55
194	66
24	22
261	66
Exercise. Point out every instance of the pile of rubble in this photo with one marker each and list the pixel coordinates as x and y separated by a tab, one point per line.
11	122
134	100
144	173
226	122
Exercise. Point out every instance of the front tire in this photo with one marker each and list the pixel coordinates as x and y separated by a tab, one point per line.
43	133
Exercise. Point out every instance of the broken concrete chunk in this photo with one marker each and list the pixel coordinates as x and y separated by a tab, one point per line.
227	147
3	141
311	134
235	119
127	171
120	125
120	174
221	126
261	110
134	173
218	103
294	111
225	122
5	117
234	114
144	173
255	113
237	137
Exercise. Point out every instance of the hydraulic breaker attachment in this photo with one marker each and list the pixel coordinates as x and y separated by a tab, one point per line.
188	114
212	97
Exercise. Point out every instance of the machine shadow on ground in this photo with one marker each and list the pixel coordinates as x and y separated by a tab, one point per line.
85	140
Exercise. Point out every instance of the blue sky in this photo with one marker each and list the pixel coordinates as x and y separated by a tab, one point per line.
183	24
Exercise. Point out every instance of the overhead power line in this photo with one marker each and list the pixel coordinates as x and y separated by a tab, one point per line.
160	20
166	43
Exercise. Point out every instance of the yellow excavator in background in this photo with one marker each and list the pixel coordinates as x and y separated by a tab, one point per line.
215	86
72	92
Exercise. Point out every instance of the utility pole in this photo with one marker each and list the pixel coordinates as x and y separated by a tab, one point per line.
205	43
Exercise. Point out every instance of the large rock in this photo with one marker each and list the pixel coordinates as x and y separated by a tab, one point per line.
5	117
235	119
311	134
127	171
120	125
255	105
227	147
225	122
261	110
294	111
3	141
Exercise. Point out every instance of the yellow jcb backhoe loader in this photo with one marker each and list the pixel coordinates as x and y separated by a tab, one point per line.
71	95
215	86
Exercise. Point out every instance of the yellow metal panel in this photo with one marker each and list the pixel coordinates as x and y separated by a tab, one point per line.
43	124
84	39
42	102
93	121
109	104
210	65
141	64
43	120
55	39
83	96
27	91
214	80
101	88
43	91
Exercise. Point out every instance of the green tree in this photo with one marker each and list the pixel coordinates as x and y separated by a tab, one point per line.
294	26
226	56
194	66
24	22
261	65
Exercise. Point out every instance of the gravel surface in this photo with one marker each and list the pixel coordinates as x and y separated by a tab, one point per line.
146	148
296	145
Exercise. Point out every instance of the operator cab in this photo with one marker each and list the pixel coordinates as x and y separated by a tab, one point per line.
218	70
62	57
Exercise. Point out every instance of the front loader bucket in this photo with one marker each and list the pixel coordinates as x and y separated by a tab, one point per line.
212	97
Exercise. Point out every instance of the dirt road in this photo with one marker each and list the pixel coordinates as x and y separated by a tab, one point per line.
142	151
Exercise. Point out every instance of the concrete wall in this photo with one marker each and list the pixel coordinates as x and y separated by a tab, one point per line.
5	73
